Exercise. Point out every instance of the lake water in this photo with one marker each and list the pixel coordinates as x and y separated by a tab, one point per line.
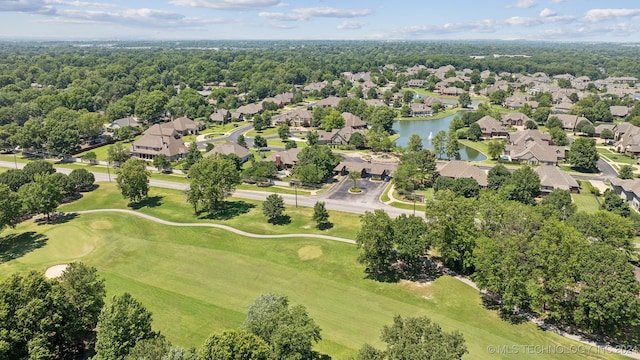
426	128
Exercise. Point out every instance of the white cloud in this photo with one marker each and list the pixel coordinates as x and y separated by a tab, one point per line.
596	15
314	12
524	4
227	4
546	12
351	25
484	26
557	1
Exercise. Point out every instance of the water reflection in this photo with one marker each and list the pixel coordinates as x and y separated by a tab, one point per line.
427	129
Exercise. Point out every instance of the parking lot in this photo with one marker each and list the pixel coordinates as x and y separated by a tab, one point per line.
371	191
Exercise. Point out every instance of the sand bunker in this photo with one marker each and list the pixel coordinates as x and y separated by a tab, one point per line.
55	271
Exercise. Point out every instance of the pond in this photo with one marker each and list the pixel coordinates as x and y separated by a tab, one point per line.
427	129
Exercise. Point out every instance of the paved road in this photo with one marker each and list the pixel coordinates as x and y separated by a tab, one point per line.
233	136
301	200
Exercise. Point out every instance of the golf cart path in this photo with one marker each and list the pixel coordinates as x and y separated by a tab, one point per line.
218	226
593	346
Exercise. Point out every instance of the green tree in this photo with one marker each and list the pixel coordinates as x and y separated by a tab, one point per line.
42	196
11	210
38	167
523	185
89	125
452	146
260	171
312	138
474	133
495	148
273	208
626	172
606	134
558	202
152	349
211	180
90	157
241	140
375	242
14	178
382	117
85	292
558	136
259	142
357	140
415	143
332	120
464	100
465	187
81	179
452	227
606	227
117	154
150	106
320	215
410	240
583	154
614	203
553	122
439	142
161	163
416	338
283	132
321	157
289	331
193	156
63	138
121	324
133	180
232	345
354	176
290	145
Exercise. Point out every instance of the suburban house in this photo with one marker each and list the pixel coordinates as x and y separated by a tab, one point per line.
315	86
222	116
250	109
337	136
120	123
462	169
231	147
296	118
185	126
159	139
331	101
628	190
562	108
619	111
569	122
416	83
284	159
421	110
366	169
551	177
515	119
491	127
452	91
515	102
353	121
629	139
602	127
533	147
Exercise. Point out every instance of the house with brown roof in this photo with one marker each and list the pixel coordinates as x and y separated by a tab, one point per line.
353	121
569	122
628	190
331	101
185	126
284	159
461	169
602	127
421	110
533	147
515	119
296	118
250	109
619	111
491	127
228	148
159	139
337	136
551	177
221	116
562	108
629	139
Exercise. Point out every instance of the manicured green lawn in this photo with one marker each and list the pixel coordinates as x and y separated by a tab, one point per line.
197	280
480	146
242	214
265	132
585	202
613	156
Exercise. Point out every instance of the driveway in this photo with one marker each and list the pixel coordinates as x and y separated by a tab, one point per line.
371	191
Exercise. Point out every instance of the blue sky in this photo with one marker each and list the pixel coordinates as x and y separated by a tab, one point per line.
552	20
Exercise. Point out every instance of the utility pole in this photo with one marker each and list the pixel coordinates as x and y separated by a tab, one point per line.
108	171
295	189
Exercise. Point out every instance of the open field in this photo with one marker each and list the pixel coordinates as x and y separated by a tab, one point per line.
200	280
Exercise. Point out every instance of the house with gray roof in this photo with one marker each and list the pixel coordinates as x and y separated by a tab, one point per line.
284	159
461	169
515	119
551	177
228	148
491	127
159	139
628	190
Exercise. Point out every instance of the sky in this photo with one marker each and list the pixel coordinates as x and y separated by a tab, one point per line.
549	20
